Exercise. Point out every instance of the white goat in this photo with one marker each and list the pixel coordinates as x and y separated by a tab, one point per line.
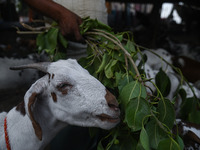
68	94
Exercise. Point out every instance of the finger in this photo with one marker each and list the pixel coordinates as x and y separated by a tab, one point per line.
79	37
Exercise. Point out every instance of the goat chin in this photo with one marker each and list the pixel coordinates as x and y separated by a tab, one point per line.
67	94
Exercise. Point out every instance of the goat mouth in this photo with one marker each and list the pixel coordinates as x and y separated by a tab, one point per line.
104	117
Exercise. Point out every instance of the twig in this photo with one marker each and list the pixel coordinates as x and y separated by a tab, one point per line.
159	123
42	21
126	61
35	28
29	32
106	33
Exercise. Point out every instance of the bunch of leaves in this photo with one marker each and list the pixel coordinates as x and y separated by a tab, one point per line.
146	120
189	108
52	42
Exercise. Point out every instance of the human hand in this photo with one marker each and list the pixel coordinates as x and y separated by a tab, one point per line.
69	24
68	21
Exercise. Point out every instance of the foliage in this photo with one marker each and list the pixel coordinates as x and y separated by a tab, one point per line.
146	120
53	43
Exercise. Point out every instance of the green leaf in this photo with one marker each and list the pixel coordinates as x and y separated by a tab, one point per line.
189	110
130	47
127	142
163	82
183	94
144	139
155	133
187	107
139	146
48	41
118	77
166	112
168	144
40	42
180	142
137	109
119	36
109	68
51	38
132	90
107	82
59	55
118	56
122	80
142	61
100	146
194	116
62	40
89	24
104	62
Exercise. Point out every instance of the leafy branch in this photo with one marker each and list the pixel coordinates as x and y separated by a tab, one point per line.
182	78
118	43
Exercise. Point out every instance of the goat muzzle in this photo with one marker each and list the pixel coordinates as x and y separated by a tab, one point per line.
104	117
114	106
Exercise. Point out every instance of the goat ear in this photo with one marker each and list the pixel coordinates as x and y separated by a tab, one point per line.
36	126
30	99
34	91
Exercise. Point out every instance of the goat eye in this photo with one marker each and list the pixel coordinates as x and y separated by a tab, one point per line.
63	86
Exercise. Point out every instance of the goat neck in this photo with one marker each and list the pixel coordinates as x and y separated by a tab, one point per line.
68	94
26	136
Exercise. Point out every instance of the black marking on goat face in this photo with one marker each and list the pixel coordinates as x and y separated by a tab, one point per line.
54	97
21	108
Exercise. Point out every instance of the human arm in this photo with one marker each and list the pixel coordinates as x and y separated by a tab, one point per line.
68	21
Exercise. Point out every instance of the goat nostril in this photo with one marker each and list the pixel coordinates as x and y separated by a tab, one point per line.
116	108
111	100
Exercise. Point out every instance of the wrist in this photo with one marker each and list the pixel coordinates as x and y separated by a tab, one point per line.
57	13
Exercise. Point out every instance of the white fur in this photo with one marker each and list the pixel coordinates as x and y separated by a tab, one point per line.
156	62
84	100
152	67
181	62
